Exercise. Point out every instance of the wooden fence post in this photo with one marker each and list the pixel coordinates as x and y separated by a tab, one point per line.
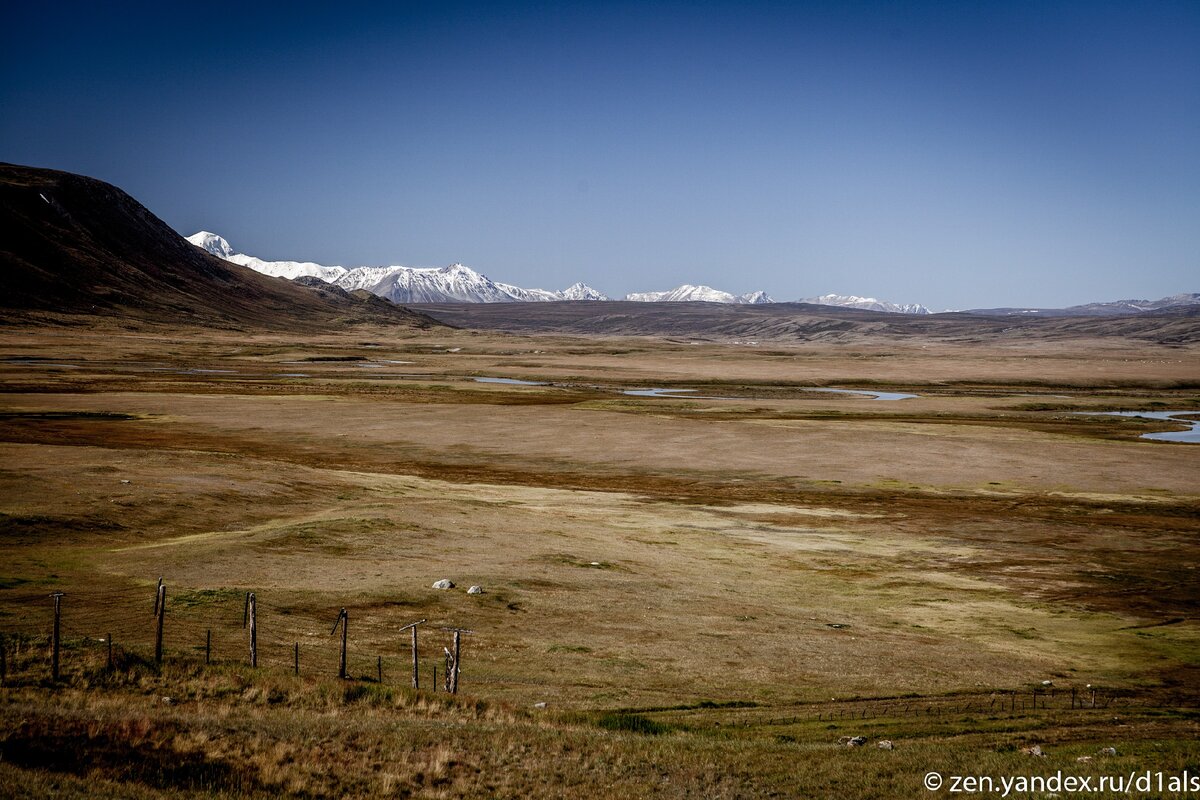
251	615
56	641
3	660
110	660
297	662
343	620
452	660
412	626
379	667
160	611
208	647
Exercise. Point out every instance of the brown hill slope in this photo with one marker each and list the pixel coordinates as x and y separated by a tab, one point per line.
804	322
72	245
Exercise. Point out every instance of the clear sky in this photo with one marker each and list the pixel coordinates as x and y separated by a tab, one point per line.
957	154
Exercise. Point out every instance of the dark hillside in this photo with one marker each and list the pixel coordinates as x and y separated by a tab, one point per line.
72	245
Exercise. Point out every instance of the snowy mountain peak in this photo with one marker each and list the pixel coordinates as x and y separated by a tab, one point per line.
212	243
581	291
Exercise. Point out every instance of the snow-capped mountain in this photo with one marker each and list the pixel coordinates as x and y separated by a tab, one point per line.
581	291
866	303
453	284
688	293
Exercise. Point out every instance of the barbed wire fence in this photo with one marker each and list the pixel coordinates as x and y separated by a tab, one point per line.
110	630
99	630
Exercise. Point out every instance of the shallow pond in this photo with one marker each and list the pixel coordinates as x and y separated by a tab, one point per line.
510	381
685	394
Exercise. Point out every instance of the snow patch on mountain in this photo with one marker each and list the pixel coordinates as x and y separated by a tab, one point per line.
866	303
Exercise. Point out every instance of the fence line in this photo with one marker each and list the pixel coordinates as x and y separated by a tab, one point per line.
208	626
117	627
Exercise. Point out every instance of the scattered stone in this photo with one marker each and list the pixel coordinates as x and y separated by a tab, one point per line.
166	701
124	481
1036	750
1084	759
444	583
852	741
885	744
1047	683
475	590
836	625
1107	751
540	705
595	563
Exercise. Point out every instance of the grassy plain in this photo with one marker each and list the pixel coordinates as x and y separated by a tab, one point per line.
705	593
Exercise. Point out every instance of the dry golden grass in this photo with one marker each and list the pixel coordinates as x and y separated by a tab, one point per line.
775	552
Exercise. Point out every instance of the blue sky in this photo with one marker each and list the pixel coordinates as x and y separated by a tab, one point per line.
957	154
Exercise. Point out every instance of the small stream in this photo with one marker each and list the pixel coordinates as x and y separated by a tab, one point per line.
1189	437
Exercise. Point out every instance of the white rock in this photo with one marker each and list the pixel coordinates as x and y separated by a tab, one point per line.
444	583
475	590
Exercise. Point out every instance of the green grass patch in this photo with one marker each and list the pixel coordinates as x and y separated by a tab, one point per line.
631	723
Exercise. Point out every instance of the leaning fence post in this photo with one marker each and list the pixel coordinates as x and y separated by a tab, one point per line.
55	646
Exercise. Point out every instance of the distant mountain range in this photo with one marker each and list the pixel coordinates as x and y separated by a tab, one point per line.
687	293
453	284
866	303
460	284
1114	308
